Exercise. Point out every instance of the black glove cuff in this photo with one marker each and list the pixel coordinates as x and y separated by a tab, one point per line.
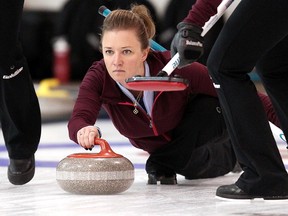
190	27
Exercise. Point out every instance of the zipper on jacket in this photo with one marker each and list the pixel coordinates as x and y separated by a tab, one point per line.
139	108
150	118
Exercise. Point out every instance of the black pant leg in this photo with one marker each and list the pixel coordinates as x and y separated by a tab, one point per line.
275	79
200	147
19	107
248	35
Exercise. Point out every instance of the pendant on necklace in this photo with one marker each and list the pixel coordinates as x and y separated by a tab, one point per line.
135	111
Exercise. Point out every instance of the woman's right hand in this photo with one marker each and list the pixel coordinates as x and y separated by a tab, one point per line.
87	135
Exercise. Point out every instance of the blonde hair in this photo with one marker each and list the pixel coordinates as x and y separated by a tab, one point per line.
138	19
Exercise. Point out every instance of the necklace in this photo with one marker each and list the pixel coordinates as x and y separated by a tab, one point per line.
138	98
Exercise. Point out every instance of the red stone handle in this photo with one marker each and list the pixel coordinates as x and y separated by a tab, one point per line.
105	152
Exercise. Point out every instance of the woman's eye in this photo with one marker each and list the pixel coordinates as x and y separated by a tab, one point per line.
127	52
109	52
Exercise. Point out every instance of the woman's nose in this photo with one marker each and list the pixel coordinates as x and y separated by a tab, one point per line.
117	60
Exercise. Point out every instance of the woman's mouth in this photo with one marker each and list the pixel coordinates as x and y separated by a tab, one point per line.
118	71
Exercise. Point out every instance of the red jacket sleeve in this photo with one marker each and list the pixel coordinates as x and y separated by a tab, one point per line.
201	11
88	103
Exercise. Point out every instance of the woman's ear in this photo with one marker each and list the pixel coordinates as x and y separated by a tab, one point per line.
145	53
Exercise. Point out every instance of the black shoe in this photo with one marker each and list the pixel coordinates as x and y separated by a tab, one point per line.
234	192
167	179
160	173
21	171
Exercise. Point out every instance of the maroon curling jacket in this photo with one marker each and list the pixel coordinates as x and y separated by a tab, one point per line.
201	11
148	133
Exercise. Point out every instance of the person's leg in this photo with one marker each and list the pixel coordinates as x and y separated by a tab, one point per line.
254	28
19	107
200	147
273	70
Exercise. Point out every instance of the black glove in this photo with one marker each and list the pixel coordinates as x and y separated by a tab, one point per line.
188	42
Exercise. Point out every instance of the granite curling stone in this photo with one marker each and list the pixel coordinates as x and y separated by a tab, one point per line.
100	173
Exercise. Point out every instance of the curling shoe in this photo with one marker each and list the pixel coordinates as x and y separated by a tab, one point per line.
165	179
21	171
234	192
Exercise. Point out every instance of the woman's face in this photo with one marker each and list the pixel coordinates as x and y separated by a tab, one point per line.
123	55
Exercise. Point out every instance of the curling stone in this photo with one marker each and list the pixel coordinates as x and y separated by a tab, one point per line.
95	173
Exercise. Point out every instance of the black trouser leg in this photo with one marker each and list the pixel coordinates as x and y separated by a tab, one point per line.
243	42
200	147
19	107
